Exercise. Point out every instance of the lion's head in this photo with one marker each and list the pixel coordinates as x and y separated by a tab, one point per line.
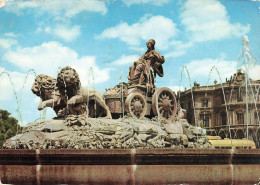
68	81
43	84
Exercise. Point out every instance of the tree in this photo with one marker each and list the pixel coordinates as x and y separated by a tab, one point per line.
8	126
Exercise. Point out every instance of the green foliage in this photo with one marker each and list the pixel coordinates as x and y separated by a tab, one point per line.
8	126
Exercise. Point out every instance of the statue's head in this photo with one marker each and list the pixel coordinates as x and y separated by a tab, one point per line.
150	44
68	79
68	76
42	84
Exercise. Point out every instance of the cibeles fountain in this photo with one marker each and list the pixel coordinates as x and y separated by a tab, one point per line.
135	133
84	115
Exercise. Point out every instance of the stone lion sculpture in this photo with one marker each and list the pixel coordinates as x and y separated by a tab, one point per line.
45	87
73	93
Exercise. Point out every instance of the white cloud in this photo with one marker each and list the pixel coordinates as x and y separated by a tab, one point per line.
201	69
83	68
139	50
160	28
8	40
181	45
123	60
10	34
208	20
7	43
154	2
66	8
179	48
47	58
47	29
175	54
253	72
68	34
63	31
176	88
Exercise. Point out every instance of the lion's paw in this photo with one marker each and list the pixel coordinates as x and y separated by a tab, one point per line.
109	116
41	107
71	102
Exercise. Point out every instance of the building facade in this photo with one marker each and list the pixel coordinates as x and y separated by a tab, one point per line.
228	109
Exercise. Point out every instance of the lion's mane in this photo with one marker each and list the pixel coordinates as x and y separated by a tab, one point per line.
68	82
43	85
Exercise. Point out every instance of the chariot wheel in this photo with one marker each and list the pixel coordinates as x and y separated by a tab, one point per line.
164	103
135	105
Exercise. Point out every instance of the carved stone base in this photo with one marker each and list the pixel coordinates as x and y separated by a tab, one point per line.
130	166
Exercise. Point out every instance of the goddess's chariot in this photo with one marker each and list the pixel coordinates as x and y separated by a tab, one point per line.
138	103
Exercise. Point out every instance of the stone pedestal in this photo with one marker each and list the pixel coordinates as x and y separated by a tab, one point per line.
130	166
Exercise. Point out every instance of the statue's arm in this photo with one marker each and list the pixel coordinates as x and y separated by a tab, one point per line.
75	99
48	103
159	58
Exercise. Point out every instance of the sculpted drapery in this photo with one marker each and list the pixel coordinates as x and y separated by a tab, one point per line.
144	70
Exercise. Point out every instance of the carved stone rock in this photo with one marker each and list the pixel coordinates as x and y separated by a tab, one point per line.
100	133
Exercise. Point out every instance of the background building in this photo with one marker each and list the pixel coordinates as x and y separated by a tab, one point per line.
223	107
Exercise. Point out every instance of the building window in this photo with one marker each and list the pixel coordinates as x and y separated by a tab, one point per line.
223	116
240	118
257	116
205	103
206	121
239	96
222	99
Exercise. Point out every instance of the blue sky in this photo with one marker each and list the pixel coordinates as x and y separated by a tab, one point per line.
45	35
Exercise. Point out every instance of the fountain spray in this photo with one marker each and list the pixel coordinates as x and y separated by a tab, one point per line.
247	61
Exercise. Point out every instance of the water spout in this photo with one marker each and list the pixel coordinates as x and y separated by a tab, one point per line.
247	61
192	97
18	101
225	101
90	76
122	102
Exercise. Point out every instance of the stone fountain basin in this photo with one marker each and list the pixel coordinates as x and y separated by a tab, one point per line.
130	166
